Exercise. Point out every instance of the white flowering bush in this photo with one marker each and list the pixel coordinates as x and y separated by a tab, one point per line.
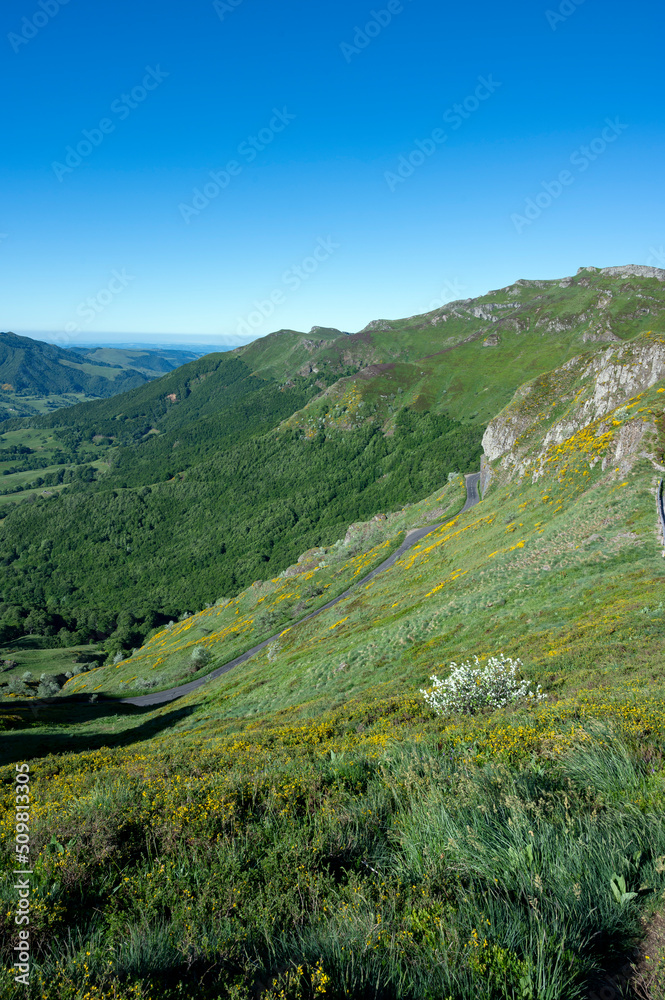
469	688
200	656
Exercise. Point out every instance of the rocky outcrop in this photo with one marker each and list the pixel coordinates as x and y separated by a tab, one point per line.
502	433
597	336
634	271
607	316
616	374
485	474
383	325
550	410
517	324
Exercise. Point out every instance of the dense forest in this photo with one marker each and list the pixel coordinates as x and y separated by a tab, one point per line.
158	537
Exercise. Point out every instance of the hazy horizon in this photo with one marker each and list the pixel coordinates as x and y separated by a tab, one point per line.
140	341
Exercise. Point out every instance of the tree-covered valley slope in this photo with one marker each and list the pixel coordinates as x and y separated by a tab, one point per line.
220	473
306	825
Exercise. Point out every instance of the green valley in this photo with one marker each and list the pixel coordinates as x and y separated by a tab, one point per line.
222	471
38	378
306	824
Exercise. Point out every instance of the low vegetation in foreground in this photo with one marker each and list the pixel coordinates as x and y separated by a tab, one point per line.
307	826
508	858
311	824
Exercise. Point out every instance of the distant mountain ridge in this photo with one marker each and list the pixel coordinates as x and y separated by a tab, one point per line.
37	377
468	356
34	367
152	362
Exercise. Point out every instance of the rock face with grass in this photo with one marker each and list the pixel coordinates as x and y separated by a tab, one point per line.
593	392
633	270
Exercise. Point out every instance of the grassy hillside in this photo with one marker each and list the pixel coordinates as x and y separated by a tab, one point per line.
589	489
229	627
152	553
306	825
220	472
469	356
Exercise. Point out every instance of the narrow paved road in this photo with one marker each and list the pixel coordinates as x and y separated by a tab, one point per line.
412	538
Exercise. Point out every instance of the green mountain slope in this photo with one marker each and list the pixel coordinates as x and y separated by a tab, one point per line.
579	447
312	824
466	358
247	514
222	471
469	356
173	422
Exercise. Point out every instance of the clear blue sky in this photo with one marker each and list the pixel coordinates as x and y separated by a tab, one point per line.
108	236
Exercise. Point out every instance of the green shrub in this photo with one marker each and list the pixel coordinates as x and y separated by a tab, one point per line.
49	687
16	685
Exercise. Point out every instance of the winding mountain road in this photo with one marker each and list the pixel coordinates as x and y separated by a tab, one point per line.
412	538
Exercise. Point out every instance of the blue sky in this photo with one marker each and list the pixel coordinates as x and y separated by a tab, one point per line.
337	182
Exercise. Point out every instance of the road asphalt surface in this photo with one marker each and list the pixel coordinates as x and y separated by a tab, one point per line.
412	538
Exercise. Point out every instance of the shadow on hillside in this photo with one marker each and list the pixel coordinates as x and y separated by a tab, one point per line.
65	717
36	642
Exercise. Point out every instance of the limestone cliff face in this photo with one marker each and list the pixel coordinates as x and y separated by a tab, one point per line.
597	394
